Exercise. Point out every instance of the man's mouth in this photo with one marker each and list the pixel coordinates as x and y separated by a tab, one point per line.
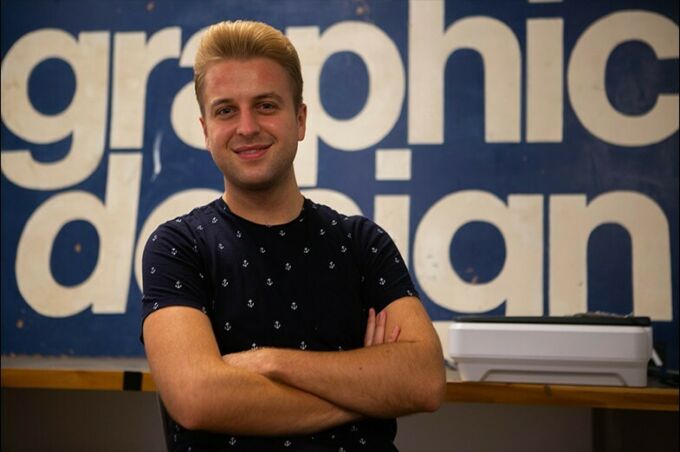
252	151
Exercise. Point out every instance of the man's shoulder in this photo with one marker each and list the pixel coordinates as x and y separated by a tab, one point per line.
329	214
193	221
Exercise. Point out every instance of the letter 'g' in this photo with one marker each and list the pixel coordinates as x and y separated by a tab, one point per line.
84	118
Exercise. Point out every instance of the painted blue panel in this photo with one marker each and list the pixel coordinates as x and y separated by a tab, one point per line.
579	162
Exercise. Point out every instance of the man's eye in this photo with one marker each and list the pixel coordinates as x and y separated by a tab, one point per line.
267	106
223	111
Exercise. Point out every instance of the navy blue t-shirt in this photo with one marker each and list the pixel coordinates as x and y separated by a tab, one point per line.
307	284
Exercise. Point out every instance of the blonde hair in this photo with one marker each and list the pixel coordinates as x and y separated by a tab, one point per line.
243	40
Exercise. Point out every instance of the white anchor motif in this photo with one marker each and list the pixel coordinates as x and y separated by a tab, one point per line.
155	306
201	275
214	220
287	266
334	222
195	248
287	443
305	250
204	309
294	306
262	250
362	441
250	303
245	263
349	235
277	324
343	249
238	234
282	233
220	246
153	270
270	282
380	231
178	220
225	283
227	326
303	345
199	227
409	293
253	345
331	265
232	441
322	231
396	259
374	250
382	281
178	285
173	251
154	238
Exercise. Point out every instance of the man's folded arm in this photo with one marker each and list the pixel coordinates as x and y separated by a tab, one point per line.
202	392
384	380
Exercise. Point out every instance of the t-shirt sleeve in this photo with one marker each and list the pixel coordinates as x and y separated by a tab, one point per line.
386	277
172	271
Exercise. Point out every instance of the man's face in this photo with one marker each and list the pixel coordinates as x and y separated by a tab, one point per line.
250	123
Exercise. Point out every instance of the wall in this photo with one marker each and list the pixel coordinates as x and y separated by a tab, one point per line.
522	154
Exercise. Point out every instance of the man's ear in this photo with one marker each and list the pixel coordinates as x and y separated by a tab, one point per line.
302	121
205	129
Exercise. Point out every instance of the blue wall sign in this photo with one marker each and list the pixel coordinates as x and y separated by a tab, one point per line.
522	154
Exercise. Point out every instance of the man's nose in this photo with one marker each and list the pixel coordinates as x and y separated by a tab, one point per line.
247	124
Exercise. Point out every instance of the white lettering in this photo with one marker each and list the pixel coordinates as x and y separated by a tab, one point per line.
133	62
586	78
84	118
519	283
185	111
385	91
106	289
429	50
571	223
392	212
544	80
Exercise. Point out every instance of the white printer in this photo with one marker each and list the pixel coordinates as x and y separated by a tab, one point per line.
582	350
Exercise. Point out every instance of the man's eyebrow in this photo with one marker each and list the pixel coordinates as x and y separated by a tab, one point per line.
259	97
220	101
269	95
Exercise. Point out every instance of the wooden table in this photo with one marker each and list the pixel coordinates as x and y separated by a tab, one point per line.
132	374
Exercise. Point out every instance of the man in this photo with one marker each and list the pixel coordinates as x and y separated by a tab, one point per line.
272	322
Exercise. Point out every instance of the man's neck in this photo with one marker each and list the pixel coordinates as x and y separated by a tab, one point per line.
265	207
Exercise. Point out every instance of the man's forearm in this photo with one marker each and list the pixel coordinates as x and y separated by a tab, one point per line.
203	392
245	403
381	381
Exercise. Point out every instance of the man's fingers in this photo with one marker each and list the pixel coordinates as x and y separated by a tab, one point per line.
394	335
370	328
379	335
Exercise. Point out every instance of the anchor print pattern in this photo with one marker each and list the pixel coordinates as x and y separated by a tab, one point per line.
240	272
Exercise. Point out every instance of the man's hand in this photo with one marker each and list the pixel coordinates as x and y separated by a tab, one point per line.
375	329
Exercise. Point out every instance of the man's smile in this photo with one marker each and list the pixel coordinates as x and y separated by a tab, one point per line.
251	151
